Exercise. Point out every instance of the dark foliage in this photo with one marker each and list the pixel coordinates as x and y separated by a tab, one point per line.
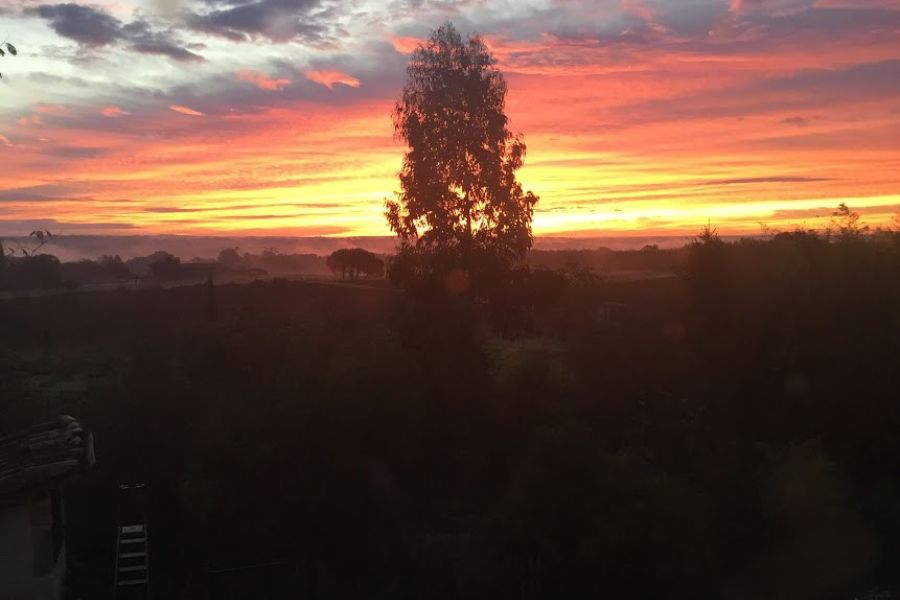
351	263
106	269
727	432
273	262
140	266
38	272
230	258
166	267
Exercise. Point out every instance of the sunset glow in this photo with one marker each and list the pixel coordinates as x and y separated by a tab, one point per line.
640	116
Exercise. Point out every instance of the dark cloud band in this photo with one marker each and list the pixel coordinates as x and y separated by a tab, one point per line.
94	28
278	21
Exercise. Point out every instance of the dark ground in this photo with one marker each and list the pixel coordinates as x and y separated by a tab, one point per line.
726	433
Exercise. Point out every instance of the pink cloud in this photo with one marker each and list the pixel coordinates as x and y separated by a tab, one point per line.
330	78
51	109
405	44
32	120
857	4
262	81
4	141
113	112
185	110
639	9
778	7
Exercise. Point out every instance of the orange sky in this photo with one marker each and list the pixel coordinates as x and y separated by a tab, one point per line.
639	116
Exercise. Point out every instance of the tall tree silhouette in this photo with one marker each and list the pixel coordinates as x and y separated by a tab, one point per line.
459	195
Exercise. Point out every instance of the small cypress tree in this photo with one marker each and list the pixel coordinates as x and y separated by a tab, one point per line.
2	265
212	311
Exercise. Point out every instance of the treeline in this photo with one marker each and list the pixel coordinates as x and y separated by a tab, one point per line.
45	271
273	262
649	260
347	263
34	270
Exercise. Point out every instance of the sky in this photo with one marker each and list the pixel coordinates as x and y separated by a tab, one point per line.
274	116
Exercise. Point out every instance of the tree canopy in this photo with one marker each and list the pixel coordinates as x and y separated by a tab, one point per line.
351	263
165	266
459	195
230	258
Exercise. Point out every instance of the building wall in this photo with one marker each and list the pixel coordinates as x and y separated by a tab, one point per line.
30	569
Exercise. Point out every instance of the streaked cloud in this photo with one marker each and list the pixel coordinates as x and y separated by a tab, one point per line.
184	110
262	81
405	44
771	6
114	112
330	78
51	109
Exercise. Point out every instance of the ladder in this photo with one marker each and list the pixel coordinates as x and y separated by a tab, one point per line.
132	576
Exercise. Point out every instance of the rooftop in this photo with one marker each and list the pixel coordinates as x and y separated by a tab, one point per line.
43	456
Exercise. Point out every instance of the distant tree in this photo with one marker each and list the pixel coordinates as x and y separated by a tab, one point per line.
83	271
7	48
230	258
845	223
460	204
337	262
708	236
274	262
167	267
41	271
351	263
114	266
369	264
139	266
107	268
